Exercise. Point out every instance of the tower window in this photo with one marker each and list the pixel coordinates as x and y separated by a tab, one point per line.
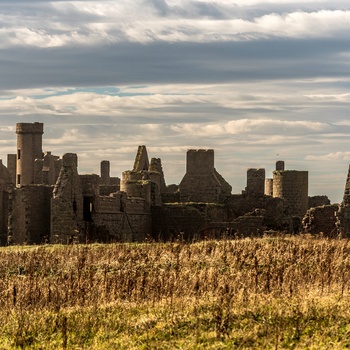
18	154
18	179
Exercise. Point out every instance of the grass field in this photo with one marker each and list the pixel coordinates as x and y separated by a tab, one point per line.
264	293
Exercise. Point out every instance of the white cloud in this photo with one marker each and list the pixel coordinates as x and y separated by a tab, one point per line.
335	156
88	23
255	126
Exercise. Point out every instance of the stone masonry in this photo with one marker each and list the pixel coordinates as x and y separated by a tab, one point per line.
43	198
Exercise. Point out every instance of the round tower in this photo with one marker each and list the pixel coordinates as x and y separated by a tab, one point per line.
292	185
29	148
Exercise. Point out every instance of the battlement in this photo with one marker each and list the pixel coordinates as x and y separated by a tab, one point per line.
30	128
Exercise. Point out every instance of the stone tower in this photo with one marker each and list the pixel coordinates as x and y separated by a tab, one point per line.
292	185
202	183
29	148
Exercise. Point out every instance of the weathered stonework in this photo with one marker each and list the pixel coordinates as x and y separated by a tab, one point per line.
318	201
322	219
6	189
269	187
292	185
343	215
52	202
29	148
67	204
29	219
202	183
255	181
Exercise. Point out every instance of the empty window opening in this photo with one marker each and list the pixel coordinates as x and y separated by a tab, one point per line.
75	207
88	208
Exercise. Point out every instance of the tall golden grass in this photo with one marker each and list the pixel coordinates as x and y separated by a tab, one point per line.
281	292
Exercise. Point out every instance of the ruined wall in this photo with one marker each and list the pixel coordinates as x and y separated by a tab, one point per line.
11	167
172	222
226	188
108	219
292	185
67	204
120	219
106	190
318	201
6	188
47	169
145	180
155	168
249	225
141	160
90	184
189	221
343	223
136	184
255	181
51	168
321	219
171	194
276	213
29	219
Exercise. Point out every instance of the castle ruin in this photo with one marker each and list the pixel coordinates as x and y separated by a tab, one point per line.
43	199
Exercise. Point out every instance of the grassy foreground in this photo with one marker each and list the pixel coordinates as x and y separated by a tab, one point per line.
268	293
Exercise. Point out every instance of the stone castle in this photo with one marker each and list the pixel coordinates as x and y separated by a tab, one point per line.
44	199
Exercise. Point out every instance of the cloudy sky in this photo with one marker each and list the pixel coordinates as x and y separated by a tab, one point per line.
258	81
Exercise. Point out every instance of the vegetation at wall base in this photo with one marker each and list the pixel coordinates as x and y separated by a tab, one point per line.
254	293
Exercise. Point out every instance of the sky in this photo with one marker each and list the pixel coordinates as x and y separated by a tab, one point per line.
257	81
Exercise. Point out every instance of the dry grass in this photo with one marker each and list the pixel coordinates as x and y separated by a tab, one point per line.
268	293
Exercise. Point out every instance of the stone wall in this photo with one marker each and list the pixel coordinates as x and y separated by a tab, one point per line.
90	185
11	167
136	184
106	190
255	181
67	204
276	211
318	201
178	221
121	219
343	223
29	221
6	187
249	225
321	220
108	219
